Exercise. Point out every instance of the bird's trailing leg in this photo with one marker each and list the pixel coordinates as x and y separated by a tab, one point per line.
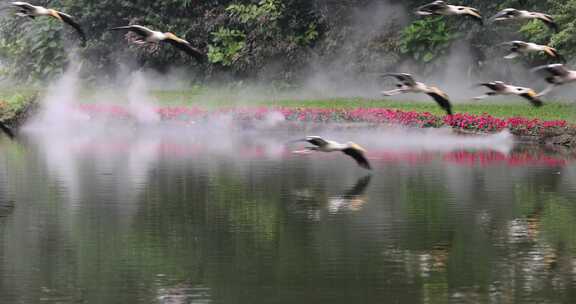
478	98
512	55
307	150
546	91
489	94
23	14
423	13
393	92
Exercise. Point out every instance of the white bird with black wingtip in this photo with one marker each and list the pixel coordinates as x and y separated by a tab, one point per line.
501	88
518	48
441	8
26	9
147	35
322	145
407	84
556	75
514	14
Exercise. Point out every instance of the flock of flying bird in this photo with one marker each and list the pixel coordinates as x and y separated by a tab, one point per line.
145	35
555	74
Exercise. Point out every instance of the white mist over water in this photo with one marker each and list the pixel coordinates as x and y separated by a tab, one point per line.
57	106
140	104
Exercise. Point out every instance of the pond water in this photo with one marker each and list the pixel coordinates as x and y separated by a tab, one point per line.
185	215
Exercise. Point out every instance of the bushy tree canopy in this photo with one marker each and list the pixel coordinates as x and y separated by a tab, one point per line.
266	38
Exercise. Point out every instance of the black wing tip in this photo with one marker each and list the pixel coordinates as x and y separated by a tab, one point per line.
359	157
479	20
7	130
554	26
535	101
364	164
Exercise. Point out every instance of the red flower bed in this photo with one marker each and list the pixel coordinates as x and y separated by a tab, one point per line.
477	123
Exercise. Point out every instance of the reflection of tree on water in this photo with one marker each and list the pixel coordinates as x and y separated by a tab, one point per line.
234	226
313	203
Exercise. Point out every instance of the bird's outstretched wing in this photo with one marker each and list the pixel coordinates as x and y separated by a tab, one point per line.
549	21
432	7
138	29
533	98
556	69
442	99
516	44
357	154
405	78
188	49
359	188
70	21
494	85
316	140
23	5
505	14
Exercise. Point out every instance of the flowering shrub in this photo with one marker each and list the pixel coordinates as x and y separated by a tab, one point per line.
469	122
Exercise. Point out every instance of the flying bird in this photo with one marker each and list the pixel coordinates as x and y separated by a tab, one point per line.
147	35
441	8
351	149
514	14
556	75
518	48
409	85
501	88
26	9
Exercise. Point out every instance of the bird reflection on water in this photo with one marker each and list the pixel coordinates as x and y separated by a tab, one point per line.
313	203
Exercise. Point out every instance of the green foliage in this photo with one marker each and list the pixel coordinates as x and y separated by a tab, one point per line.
426	40
309	36
35	50
251	38
226	46
265	10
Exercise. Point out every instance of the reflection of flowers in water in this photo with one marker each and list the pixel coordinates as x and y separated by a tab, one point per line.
484	158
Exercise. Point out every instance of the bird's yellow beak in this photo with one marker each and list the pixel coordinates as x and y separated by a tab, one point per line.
55	14
532	94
